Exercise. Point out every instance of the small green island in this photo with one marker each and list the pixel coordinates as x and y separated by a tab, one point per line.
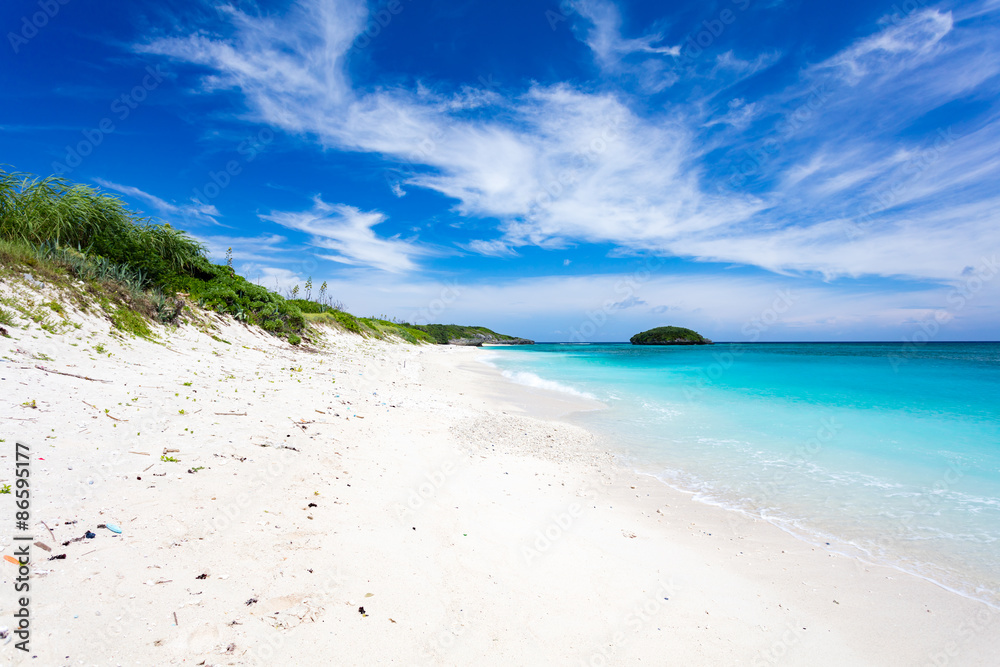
669	336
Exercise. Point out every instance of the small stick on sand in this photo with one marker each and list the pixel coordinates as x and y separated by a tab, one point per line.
50	531
82	377
232	414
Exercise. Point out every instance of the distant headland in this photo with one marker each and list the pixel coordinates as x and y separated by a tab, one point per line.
455	334
669	336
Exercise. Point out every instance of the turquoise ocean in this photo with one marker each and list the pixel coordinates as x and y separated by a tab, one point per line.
886	453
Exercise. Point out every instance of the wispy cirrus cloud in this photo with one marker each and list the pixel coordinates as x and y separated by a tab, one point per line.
561	163
605	39
345	234
262	248
192	212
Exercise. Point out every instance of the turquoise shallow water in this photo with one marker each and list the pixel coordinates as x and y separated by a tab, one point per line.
886	453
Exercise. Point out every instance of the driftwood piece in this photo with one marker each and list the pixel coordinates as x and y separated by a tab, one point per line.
72	375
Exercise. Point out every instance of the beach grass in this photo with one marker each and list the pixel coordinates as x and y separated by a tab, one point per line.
78	237
370	327
61	231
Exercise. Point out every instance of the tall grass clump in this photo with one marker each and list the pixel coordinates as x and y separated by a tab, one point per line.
55	213
92	234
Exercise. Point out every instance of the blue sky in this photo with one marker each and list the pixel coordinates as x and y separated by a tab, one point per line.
578	171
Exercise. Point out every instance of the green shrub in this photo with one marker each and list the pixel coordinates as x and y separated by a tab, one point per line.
134	266
127	320
442	333
310	307
53	212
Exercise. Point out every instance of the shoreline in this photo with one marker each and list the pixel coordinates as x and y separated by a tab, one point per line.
962	581
628	467
406	481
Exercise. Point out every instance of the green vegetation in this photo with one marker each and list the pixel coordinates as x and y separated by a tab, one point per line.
5	489
130	322
169	459
57	228
140	270
339	318
442	333
372	327
53	212
309	307
669	336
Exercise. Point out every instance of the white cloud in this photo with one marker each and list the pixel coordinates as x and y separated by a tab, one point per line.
906	44
263	248
728	61
196	211
347	231
495	248
561	165
723	307
604	36
276	278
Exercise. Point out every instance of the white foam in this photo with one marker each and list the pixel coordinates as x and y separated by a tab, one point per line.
532	380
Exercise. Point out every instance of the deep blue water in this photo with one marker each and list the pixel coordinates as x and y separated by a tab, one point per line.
888	453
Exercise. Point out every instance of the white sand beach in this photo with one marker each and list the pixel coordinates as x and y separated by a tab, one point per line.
413	482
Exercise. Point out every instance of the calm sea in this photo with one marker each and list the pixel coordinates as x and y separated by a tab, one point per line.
887	453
